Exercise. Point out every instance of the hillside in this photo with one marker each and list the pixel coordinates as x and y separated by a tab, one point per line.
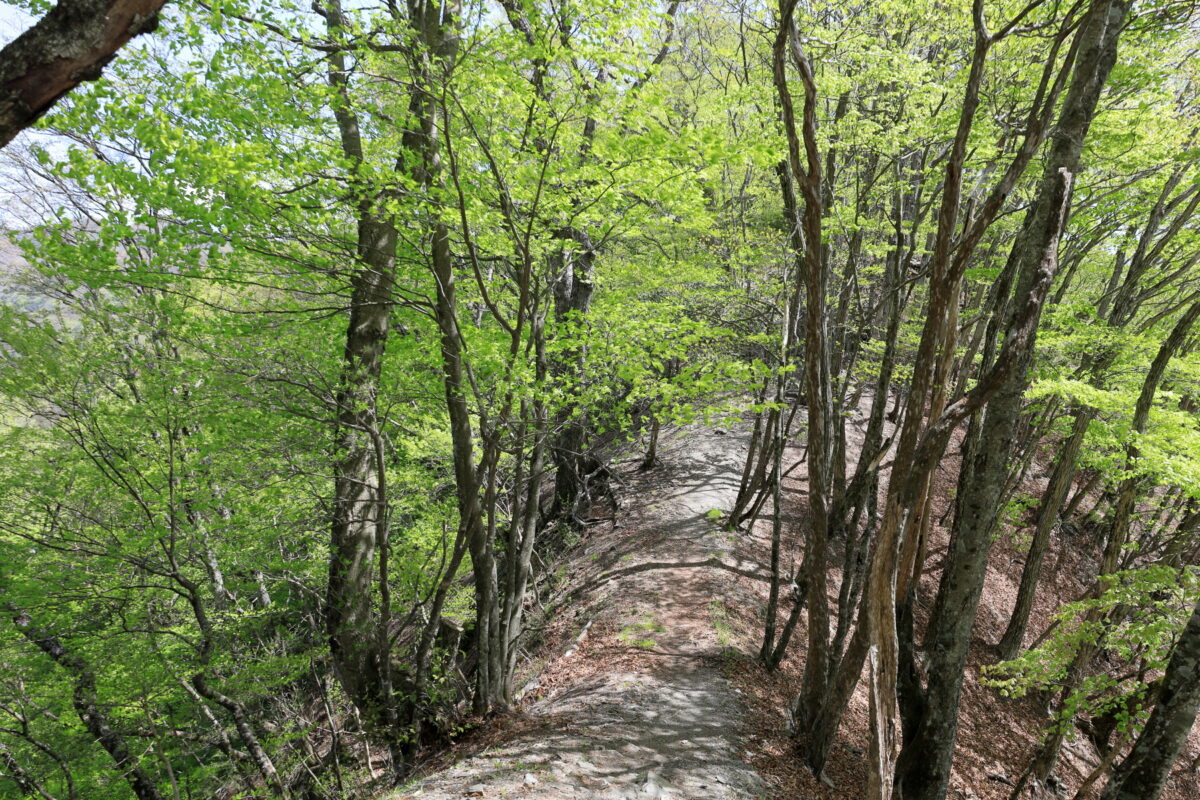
646	681
599	398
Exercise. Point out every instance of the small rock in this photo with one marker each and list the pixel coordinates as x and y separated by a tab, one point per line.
651	789
1000	776
530	779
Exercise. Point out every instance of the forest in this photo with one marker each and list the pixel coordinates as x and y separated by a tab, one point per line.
600	399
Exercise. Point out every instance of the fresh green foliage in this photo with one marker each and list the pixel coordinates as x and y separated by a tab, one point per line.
587	242
1135	622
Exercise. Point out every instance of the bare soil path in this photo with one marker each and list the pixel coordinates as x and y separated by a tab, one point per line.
639	706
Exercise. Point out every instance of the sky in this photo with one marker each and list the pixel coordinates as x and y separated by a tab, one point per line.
13	20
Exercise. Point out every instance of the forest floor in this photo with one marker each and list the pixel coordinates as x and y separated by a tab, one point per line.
997	737
633	700
645	683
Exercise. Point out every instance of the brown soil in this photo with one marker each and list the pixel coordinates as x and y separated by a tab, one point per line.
645	681
997	737
632	699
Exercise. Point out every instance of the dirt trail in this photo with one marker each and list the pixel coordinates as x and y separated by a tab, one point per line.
639	707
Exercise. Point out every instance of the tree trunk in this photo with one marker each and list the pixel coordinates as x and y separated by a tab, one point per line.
523	528
359	642
353	536
572	301
1047	518
86	704
923	769
71	44
26	783
488	680
807	177
200	681
767	651
1145	770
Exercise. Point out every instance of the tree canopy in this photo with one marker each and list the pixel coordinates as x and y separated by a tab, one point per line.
322	323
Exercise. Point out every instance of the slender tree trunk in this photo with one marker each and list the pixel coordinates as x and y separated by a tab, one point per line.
923	769
488	688
767	650
807	177
650	460
859	500
200	681
87	705
757	442
1047	518
523	528
436	26
25	781
1090	482
777	435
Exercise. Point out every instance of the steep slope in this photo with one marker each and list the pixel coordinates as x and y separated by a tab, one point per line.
647	684
997	737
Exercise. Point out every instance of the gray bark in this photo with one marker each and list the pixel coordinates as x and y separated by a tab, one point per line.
807	177
358	505
87	705
68	46
1048	515
1144	772
923	769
